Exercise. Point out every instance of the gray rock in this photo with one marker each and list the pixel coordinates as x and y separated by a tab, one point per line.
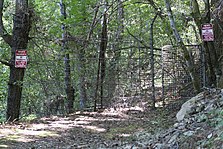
187	106
188	133
179	126
173	139
158	146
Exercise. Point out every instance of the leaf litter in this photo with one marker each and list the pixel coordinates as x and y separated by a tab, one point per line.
110	128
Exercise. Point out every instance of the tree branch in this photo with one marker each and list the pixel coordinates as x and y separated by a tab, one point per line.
5	63
140	41
158	10
141	47
6	37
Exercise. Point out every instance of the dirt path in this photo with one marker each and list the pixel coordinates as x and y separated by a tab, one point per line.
90	130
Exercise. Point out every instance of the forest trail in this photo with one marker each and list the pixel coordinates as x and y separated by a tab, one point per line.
108	129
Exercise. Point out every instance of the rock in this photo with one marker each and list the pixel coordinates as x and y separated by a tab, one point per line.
202	118
158	146
187	106
210	135
188	133
193	127
139	145
179	126
173	139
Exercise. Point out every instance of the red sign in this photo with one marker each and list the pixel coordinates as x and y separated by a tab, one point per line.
20	58
207	32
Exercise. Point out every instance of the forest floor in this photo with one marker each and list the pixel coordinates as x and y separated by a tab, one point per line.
111	128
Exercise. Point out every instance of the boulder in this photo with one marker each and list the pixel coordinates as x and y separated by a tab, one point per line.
187	107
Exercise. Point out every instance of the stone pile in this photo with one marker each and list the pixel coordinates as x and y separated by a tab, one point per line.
194	128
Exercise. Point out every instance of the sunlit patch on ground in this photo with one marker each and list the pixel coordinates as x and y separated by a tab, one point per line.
36	133
159	104
23	135
124	135
38	127
94	128
81	128
4	146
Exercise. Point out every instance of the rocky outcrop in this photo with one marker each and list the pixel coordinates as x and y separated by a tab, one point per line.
199	125
196	124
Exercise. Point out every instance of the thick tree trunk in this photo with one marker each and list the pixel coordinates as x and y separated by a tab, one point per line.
211	48
21	28
14	93
217	16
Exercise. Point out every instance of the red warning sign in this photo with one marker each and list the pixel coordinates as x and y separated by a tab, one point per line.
207	32
20	58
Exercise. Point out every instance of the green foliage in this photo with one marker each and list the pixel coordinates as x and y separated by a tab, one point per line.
215	119
3	90
45	71
29	118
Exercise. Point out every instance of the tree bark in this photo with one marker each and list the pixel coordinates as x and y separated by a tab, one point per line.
113	66
21	27
68	85
82	79
152	62
214	70
189	61
101	64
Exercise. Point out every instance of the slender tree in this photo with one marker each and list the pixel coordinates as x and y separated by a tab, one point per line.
152	60
101	63
117	44
186	54
68	85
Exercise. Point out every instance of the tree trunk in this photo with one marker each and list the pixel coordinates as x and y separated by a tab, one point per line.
211	48
103	47
82	80
21	28
217	16
189	61
68	85
152	61
101	63
113	66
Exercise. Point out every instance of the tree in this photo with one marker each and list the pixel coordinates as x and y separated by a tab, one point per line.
212	49
17	41
186	54
122	64
152	61
217	16
117	44
68	85
101	64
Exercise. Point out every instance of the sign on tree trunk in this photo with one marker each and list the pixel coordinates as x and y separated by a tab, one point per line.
207	32
21	59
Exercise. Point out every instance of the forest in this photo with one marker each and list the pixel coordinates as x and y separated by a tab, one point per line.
129	65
